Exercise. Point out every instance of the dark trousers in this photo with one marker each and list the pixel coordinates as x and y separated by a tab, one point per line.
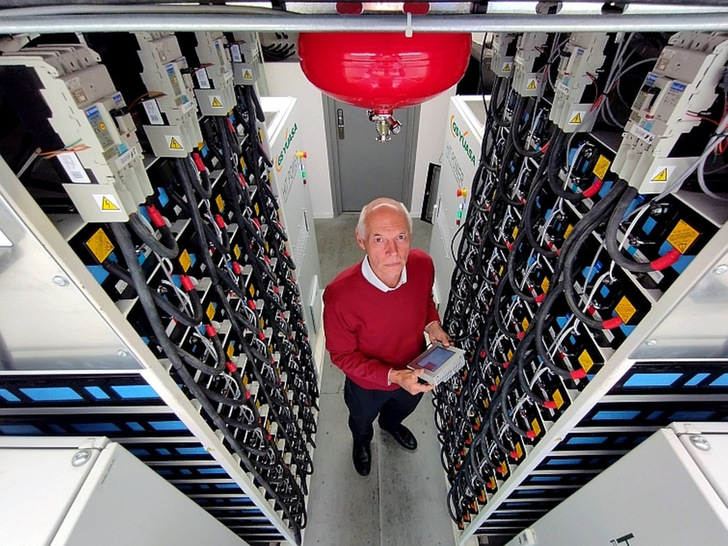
365	404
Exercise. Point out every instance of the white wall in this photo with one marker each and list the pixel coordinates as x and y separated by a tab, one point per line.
287	79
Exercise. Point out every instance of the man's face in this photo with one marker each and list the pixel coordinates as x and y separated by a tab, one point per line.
386	242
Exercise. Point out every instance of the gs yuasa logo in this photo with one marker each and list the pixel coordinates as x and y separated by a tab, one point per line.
286	145
460	137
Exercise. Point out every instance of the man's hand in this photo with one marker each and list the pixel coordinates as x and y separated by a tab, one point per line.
407	379
436	333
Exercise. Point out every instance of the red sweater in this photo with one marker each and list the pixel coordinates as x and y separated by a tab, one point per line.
369	331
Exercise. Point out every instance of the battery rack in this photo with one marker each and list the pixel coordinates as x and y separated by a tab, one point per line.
591	223
197	281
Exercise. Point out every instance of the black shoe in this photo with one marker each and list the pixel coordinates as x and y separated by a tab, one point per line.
404	437
362	458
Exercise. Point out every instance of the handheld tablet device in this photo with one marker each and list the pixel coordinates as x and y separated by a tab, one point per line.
440	363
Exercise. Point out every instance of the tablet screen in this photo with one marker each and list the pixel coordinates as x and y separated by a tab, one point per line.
435	359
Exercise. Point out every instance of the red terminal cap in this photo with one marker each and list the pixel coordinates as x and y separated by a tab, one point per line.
667	260
156	217
198	161
494	387
612	323
247	394
578	374
261	335
251	304
549	404
540	298
591	310
186	282
256	222
530	435
592	190
482	353
349	8
506	364
514	455
236	268
242	180
210	329
220	221
230	126
231	366
416	8
521	335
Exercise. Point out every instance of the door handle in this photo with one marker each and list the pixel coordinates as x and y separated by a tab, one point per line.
340	123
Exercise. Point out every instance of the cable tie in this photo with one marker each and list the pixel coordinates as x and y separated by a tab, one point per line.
612	323
186	282
667	260
210	329
156	217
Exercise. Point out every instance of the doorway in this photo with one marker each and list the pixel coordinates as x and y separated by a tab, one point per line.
363	169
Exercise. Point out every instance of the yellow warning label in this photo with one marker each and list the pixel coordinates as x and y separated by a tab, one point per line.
220	203
184	260
504	468
515	232
174	144
487	403
500	271
600	169
536	427
245	381
661	176
252	290
230	351
545	284
262	323
108	204
558	399
575	119
236	250
625	310
531	85
510	354
525	324
257	209
568	231
497	381
242	164
215	102
507	67
247	75
682	236
267	247
493	483
210	311
586	361
519	450
100	245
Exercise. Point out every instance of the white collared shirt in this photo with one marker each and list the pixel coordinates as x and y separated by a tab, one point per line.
371	277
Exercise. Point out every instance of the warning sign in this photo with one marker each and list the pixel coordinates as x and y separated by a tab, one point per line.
568	231
248	75
210	311
625	310
236	250
107	202
519	450
215	101
558	399
575	118
174	143
184	260
100	245
586	361
525	324
531	84
230	351
220	203
536	427
600	169
660	175
682	236
507	67
545	285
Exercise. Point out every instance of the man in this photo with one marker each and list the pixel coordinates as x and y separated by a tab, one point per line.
375	313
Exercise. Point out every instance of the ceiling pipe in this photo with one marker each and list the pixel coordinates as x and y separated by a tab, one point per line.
181	18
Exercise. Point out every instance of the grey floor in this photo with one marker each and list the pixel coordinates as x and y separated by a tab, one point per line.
402	501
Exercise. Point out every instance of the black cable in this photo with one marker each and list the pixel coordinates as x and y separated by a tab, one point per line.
166	248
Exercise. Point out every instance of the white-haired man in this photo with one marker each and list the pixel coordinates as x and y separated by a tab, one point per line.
374	315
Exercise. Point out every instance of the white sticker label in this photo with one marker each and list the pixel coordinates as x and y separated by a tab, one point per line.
71	164
107	202
124	159
152	109
235	53
642	134
202	79
187	106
